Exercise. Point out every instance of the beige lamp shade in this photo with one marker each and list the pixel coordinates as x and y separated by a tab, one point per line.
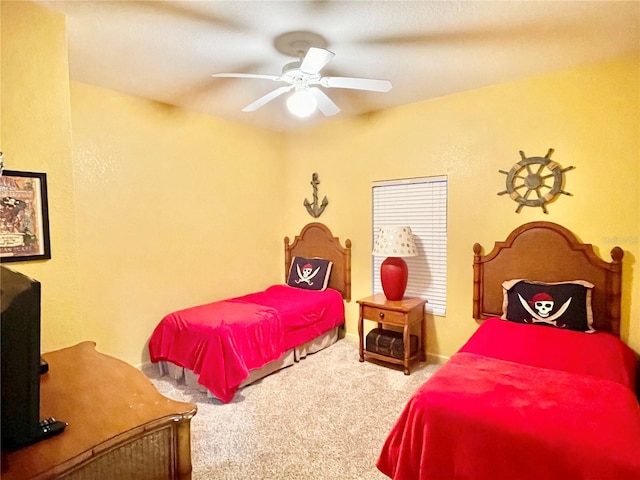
394	241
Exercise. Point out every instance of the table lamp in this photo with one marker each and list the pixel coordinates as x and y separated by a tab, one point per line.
394	242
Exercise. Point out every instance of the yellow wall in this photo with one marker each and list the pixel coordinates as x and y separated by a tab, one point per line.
174	209
156	208
36	136
589	115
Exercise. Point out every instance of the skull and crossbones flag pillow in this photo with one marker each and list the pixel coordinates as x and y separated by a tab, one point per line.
309	273
563	304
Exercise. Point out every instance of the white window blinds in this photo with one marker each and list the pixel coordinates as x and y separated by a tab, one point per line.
420	203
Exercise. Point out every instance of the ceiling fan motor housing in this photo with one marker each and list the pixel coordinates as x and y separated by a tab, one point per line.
296	44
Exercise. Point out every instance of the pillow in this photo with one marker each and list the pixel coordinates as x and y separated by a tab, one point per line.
309	273
563	304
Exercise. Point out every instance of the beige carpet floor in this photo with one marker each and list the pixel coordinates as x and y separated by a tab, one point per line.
323	418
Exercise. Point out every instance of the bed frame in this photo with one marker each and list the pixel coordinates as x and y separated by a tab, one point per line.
547	252
316	240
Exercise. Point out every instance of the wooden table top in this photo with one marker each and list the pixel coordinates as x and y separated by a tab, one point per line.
404	305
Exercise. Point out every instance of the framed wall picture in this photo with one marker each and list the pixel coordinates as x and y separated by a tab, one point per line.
24	217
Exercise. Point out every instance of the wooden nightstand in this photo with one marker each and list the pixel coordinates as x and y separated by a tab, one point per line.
402	313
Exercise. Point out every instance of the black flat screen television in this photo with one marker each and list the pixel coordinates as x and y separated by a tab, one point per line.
21	361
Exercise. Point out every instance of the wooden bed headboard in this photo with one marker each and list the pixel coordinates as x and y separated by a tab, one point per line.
316	240
547	252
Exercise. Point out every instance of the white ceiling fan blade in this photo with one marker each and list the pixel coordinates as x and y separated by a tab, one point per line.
315	59
356	83
248	75
266	98
325	104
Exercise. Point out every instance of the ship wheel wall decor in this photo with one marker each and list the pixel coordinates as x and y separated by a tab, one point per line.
534	181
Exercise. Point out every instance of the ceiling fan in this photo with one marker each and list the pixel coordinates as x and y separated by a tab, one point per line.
304	78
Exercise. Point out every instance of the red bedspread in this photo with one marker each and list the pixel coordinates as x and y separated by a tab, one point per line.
305	314
222	341
487	418
600	354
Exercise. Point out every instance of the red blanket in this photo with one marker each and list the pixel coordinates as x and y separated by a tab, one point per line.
486	418
600	354
222	341
305	314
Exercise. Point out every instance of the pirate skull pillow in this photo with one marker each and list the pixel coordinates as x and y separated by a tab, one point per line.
309	273
564	304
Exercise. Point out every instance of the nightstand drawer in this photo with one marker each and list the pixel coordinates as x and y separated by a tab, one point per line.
383	316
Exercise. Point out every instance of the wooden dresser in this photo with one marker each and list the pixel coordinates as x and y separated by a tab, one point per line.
120	426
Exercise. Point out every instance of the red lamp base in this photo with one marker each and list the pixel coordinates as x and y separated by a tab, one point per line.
393	276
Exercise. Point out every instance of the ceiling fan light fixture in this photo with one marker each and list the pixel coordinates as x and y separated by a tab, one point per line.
302	103
303	77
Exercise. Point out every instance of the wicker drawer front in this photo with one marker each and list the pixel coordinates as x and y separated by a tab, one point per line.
148	457
383	316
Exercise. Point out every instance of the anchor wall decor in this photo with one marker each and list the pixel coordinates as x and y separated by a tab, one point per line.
314	209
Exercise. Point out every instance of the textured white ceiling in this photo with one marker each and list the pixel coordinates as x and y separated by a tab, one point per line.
167	50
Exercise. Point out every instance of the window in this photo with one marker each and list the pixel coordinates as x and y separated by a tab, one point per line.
420	203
